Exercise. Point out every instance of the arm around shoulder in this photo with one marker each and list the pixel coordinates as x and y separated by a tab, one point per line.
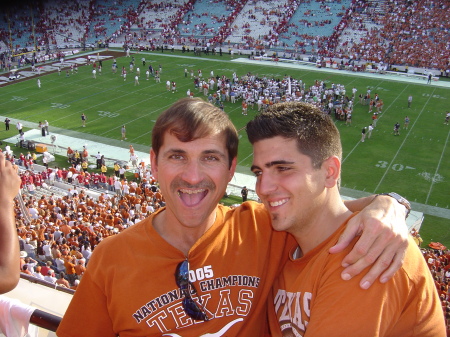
383	241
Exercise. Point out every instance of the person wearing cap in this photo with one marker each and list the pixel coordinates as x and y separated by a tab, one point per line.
23	254
98	158
125	187
50	277
57	233
82	208
47	268
80	268
37	273
46	247
29	248
31	233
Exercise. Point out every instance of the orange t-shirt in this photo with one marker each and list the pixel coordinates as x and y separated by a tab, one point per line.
310	298
129	287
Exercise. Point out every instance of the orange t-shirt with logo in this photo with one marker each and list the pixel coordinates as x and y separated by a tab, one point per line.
311	299
129	287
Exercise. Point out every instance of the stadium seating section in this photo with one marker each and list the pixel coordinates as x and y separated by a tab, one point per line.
404	33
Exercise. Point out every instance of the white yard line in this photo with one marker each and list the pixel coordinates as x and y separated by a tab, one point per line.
438	166
404	141
381	115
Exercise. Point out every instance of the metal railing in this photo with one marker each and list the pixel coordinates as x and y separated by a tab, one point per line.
45	320
41	318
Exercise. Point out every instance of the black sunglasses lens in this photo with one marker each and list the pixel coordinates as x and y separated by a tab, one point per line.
182	274
189	305
193	310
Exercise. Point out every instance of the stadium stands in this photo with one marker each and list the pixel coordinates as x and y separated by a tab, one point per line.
109	18
16	25
256	21
63	23
400	33
204	19
405	32
311	23
364	34
154	16
71	218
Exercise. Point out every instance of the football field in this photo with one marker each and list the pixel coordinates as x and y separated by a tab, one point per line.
415	164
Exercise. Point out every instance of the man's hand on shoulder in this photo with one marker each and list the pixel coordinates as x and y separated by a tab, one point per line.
383	242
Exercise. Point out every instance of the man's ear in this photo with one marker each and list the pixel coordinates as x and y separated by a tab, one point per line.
154	163
332	168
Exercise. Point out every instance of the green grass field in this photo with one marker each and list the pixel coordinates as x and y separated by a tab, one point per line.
414	164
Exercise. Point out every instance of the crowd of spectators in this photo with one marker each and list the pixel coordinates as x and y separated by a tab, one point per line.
58	231
419	36
205	18
324	42
437	257
152	15
126	17
285	16
17	22
157	30
225	29
62	22
256	27
414	33
402	32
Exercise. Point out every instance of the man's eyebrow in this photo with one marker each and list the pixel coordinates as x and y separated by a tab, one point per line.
210	151
175	151
217	152
272	163
254	167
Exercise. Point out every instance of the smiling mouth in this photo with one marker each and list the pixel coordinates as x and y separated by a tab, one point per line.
278	202
192	197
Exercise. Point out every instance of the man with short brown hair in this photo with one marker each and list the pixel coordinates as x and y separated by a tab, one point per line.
297	161
195	267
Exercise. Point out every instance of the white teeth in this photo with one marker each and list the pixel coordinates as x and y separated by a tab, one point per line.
278	203
192	191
